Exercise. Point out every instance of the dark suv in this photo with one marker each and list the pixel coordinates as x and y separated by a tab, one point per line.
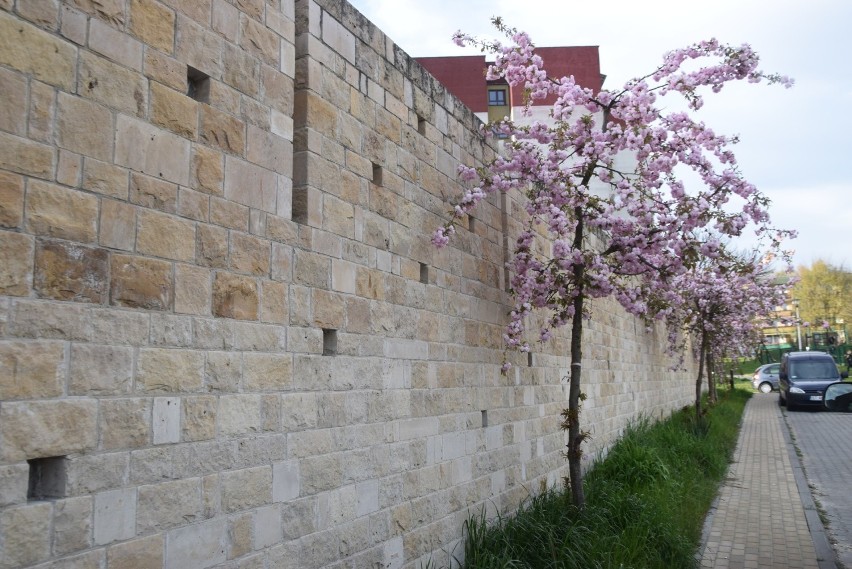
804	376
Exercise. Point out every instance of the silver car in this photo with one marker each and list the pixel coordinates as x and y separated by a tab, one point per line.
765	378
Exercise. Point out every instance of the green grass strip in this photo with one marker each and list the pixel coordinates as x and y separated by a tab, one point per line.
646	502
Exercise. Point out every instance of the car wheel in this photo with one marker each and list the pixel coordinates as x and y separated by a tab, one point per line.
791	406
781	401
765	387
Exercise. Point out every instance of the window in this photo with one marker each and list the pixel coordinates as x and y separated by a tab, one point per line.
497	97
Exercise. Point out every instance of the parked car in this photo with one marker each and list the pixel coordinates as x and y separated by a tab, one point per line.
765	378
804	376
838	397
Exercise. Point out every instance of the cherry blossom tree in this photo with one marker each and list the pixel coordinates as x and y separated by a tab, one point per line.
596	229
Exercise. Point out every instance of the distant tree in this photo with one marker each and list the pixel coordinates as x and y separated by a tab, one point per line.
824	293
646	227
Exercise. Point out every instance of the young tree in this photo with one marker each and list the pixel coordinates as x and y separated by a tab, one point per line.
825	292
643	220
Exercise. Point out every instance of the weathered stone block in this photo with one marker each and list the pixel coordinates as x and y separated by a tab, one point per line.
269	151
150	150
199	418
239	535
115	44
69	168
118	225
110	11
31	370
162	235
235	296
104	178
168	71
250	185
166	420
11	200
275	303
14	481
26	534
223	371
73	24
84	126
119	327
169	504
65	271
247	488
16	254
72	525
249	254
59	212
174	111
212	246
142	553
193	205
125	423
36	319
208	170
267	372
329	309
115	516
35	52
37	429
267	527
137	282
239	415
198	545
13	92
170	371
26	157
153	193
90	473
196	45
222	130
153	23
241	70
259	40
192	290
285	481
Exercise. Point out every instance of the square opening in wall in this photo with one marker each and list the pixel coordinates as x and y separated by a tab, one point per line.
198	84
421	125
329	342
377	175
47	478
424	273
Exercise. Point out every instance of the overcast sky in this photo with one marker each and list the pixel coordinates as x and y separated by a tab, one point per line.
796	144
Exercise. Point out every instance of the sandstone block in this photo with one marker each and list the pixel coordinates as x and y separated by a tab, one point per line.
153	193
110	11
115	44
196	45
150	150
69	168
212	246
26	534
11	200
39	429
241	70
222	130
34	52
166	420
198	545
208	170
267	372
163	235
65	271
193	205
13	92
199	418
235	296
278	92
72	525
267	527
59	212
14	481
90	473
282	262
223	371
84	126
153	23
142	553
125	423
115	516
229	214
213	333
250	185
226	20
312	270
192	290
249	254
169	504
259	40
174	111
25	156
269	151
170	371
73	24
285	481
239	415
137	282
42	320
16	254
329	309
103	178
167	70
247	488
239	535
274	303
118	225
31	370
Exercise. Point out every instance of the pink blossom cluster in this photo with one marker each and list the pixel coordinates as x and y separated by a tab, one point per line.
660	234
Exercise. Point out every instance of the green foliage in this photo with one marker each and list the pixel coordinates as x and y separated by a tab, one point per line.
646	502
824	292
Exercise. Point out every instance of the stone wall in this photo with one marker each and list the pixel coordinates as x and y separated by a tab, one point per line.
225	339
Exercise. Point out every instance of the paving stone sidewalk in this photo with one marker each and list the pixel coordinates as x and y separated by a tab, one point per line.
764	517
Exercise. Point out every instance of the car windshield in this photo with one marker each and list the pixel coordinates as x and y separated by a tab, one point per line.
813	370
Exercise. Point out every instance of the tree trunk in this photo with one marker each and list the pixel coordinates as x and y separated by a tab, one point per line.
701	352
711	376
572	419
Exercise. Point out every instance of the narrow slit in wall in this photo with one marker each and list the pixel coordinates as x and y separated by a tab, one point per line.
377	175
484	418
329	342
424	273
421	125
471	224
529	359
